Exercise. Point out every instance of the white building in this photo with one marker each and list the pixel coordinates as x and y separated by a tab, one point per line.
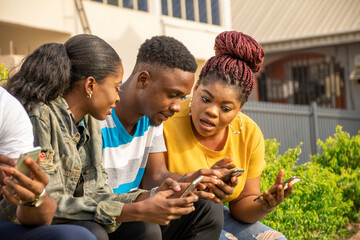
124	24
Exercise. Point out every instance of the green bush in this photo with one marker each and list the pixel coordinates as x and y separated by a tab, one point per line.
4	74
342	154
318	208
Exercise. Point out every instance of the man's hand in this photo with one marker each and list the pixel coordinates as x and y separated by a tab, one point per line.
166	205
18	188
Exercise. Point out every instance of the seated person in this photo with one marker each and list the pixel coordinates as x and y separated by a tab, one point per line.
211	132
76	85
163	74
31	206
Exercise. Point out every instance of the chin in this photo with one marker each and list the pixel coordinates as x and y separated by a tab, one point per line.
154	123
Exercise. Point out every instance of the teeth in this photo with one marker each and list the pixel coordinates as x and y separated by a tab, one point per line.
206	123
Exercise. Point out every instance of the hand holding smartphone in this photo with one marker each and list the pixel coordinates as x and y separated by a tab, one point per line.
285	185
233	173
192	186
21	166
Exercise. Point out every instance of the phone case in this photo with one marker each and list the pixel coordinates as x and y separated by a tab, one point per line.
33	153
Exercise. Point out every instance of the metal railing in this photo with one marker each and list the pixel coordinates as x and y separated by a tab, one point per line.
292	124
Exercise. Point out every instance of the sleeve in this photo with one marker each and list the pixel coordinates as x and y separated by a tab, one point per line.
16	133
103	206
257	158
158	142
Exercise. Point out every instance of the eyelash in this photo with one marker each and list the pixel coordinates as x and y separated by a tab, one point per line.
206	100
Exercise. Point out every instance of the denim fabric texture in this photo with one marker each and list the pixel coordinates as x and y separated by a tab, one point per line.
67	161
243	231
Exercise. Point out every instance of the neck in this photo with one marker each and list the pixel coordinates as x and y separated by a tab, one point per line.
76	104
127	109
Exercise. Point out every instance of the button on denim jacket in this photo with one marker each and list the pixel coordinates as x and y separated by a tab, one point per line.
57	134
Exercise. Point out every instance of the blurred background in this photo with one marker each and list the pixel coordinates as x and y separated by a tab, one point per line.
310	79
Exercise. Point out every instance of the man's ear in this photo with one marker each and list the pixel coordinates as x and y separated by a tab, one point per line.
143	79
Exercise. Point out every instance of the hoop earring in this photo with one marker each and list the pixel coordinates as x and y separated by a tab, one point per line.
190	106
89	95
232	129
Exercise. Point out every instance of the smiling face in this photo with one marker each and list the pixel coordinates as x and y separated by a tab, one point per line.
162	97
105	95
214	106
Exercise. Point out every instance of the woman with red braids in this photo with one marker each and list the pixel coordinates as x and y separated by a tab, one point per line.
211	132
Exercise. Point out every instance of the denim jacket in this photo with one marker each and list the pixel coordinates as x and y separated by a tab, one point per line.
66	162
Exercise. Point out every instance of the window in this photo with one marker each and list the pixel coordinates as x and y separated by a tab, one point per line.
205	11
176	8
164	7
302	79
215	12
113	2
128	4
202	11
142	5
189	4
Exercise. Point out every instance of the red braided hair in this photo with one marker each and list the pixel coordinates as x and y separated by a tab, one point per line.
237	57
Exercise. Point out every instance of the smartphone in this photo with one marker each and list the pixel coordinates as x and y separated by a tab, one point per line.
285	185
192	186
21	166
233	173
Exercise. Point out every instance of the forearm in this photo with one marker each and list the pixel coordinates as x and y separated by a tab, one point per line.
155	179
248	211
42	215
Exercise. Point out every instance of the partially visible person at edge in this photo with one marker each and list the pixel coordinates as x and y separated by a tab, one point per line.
162	76
211	132
66	89
26	211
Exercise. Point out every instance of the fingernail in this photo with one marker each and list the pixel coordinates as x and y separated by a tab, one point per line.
177	188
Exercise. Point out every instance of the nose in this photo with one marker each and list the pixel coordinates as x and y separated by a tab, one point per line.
175	106
212	111
117	97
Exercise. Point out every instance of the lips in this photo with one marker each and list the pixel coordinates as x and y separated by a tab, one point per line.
167	115
207	122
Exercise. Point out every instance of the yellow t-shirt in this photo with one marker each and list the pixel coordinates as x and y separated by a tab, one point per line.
187	154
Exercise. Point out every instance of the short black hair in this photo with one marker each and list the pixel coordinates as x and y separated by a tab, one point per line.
164	51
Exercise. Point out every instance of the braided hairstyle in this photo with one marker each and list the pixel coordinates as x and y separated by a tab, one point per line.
53	68
237	57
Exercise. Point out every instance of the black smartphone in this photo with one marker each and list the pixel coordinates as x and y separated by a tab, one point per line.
21	166
285	185
192	186
233	173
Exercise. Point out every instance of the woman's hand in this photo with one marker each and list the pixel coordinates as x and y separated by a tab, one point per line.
19	188
269	201
222	190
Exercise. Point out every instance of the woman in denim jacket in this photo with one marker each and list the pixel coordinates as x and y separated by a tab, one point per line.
66	89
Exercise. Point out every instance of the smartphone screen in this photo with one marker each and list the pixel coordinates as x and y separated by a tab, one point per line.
192	186
21	166
285	185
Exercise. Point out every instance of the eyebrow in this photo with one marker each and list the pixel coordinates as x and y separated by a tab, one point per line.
212	96
175	90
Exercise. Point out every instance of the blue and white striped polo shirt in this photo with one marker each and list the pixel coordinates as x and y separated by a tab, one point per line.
125	156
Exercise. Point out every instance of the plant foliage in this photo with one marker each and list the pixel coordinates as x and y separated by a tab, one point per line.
328	195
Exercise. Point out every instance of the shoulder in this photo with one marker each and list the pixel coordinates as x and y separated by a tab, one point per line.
248	123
